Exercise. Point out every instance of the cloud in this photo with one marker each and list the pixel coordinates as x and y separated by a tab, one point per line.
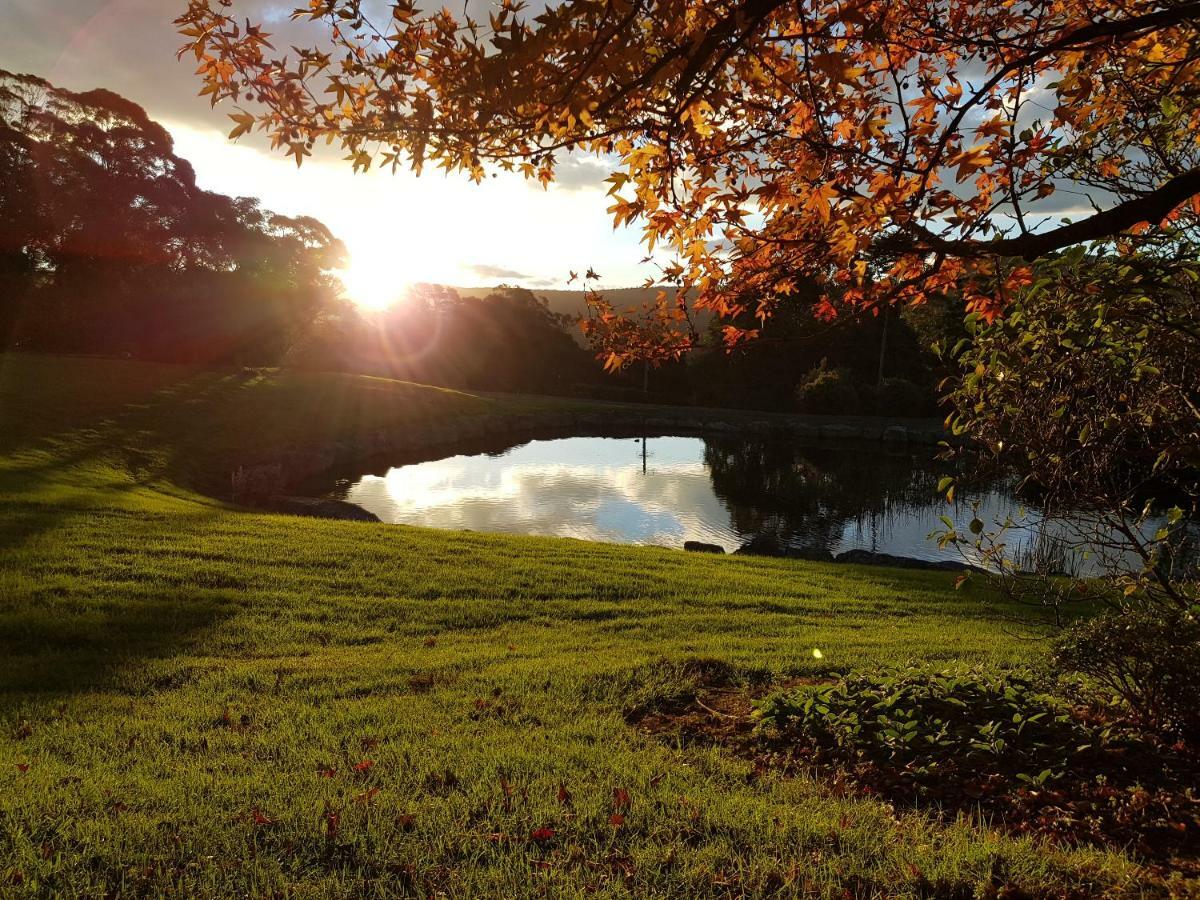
126	46
483	270
577	173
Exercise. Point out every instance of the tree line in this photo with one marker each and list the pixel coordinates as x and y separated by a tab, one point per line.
108	246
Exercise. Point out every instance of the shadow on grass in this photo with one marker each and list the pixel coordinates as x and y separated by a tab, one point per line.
47	481
45	650
80	610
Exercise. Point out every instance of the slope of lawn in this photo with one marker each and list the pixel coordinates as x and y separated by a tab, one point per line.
200	700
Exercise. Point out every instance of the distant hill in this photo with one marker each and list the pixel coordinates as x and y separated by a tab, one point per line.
570	302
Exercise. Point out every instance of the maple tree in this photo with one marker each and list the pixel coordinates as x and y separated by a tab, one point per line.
766	142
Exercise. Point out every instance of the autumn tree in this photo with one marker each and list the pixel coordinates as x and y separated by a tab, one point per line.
761	142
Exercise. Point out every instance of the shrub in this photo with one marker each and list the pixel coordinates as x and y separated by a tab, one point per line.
1150	658
901	397
927	723
827	391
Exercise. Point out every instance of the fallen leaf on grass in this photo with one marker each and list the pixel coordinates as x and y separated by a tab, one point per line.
260	817
564	796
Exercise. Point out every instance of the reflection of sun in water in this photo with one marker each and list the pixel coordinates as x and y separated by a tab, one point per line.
372	282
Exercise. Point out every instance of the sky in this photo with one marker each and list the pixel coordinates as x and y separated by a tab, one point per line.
398	229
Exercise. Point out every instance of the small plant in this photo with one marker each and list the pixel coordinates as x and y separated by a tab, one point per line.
925	724
827	391
1149	658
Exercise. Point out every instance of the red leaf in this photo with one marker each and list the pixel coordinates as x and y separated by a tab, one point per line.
541	835
364	766
260	817
616	820
620	798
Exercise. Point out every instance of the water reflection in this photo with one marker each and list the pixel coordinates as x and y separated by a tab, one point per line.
667	490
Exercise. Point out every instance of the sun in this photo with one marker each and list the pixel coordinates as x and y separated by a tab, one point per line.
372	283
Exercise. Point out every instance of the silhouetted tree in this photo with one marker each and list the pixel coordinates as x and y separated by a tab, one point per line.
107	245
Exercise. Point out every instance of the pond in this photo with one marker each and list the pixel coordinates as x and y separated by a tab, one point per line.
724	490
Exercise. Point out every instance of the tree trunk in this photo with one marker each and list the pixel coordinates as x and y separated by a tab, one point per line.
883	346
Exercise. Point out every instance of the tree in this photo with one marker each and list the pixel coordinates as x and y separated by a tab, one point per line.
1089	390
108	245
766	141
507	341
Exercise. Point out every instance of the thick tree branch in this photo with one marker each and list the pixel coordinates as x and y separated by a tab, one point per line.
1152	207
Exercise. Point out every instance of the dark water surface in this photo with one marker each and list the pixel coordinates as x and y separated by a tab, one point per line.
667	490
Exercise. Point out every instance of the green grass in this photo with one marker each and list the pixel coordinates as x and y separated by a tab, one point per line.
176	675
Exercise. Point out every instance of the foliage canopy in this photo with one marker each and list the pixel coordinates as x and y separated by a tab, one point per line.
764	142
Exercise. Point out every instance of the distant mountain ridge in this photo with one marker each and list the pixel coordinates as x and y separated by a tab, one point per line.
571	302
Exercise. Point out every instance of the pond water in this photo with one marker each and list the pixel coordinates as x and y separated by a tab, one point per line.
668	490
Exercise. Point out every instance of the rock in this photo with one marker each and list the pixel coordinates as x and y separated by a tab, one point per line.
255	485
928	437
867	558
870	431
837	431
768	544
805	430
325	509
812	554
701	547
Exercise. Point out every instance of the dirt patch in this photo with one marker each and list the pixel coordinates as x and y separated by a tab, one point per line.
1144	800
719	712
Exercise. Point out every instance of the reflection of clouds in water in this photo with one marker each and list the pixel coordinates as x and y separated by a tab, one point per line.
591	488
595	489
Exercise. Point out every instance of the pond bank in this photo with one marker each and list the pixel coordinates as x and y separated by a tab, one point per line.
262	481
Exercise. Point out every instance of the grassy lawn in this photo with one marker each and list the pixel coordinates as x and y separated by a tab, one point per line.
200	700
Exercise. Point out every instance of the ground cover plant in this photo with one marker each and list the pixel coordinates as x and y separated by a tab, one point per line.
1003	744
202	700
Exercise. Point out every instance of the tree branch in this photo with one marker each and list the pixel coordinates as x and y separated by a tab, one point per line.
1152	207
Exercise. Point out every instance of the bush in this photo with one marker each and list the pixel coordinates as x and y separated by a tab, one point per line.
828	392
898	397
1150	658
928	724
